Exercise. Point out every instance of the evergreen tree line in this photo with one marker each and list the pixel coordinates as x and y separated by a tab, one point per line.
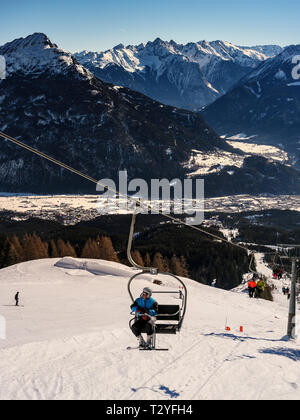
207	260
30	247
175	265
168	247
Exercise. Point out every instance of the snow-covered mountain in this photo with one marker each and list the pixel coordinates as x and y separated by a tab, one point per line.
188	76
68	339
269	50
36	55
266	104
50	101
53	103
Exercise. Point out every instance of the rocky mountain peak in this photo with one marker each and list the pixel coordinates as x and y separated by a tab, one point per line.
36	55
36	40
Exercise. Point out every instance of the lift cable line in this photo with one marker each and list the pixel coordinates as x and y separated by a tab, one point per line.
137	201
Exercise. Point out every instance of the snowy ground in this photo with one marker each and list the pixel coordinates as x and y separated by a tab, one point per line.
269	152
69	340
203	163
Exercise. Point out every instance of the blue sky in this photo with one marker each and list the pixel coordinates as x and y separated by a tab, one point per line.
99	25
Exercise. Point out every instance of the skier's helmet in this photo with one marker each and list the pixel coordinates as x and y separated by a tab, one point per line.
148	291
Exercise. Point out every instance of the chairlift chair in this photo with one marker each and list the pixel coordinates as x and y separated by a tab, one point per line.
170	318
278	262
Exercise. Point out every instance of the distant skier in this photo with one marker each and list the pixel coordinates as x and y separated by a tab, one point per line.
251	287
277	273
144	306
17	299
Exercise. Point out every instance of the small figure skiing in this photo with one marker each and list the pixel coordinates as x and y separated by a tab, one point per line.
17	299
146	309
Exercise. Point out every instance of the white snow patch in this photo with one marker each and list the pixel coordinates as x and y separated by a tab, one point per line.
269	152
69	340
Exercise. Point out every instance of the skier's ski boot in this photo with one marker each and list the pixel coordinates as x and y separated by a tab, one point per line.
149	342
142	343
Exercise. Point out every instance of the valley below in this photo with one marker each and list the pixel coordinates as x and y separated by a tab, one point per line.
71	209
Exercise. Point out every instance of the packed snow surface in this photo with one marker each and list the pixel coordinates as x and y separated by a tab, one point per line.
69	339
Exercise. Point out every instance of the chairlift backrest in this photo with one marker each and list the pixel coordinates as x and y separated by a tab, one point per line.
168	313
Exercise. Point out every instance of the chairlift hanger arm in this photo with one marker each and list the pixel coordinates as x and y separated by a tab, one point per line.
130	240
250	265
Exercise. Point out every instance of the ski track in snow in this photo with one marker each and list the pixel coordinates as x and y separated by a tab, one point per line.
69	341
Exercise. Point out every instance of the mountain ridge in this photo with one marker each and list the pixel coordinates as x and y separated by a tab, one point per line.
189	76
265	104
53	103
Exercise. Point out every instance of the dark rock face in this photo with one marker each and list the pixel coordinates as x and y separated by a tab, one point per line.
52	103
266	103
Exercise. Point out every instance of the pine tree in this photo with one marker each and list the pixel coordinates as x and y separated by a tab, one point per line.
62	249
12	255
90	250
136	255
9	254
184	267
71	250
161	263
147	260
179	266
109	252
41	247
101	249
53	249
31	247
19	249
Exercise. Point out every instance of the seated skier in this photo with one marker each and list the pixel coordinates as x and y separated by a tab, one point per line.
145	308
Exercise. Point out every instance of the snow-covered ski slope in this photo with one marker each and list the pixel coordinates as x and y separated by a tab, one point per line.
69	340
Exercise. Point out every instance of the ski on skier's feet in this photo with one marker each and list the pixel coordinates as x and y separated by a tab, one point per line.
145	349
152	349
135	348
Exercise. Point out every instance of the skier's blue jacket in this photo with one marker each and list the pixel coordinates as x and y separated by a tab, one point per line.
149	306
